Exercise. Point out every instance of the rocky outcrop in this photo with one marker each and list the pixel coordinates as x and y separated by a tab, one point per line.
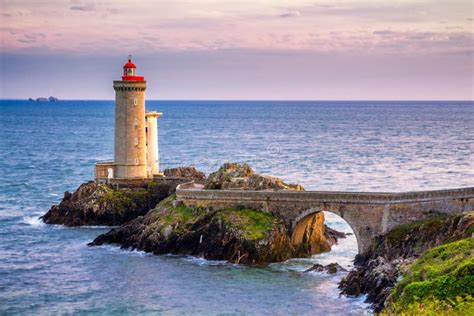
101	204
330	268
241	177
378	270
237	235
190	173
106	205
332	235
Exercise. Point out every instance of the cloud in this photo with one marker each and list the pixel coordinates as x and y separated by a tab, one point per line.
384	32
83	7
290	14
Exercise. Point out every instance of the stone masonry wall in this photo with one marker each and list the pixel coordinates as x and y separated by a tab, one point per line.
368	214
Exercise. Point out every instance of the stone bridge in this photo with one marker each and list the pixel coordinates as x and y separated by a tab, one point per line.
369	214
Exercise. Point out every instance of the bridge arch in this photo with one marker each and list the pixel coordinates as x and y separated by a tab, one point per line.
369	214
300	221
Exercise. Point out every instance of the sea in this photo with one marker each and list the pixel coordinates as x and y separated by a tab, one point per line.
47	148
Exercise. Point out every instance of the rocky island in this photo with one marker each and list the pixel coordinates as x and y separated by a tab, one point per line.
42	99
105	205
152	220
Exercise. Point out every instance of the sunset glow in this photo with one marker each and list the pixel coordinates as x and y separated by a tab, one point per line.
357	37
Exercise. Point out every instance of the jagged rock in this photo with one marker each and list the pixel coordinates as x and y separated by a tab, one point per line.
333	235
237	235
190	173
100	204
241	177
309	237
330	268
217	235
378	270
104	205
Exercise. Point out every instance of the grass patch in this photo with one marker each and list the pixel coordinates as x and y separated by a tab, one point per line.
121	200
166	213
396	235
442	278
253	224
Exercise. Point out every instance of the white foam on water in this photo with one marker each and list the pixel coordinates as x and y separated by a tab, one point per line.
94	227
205	262
118	250
34	221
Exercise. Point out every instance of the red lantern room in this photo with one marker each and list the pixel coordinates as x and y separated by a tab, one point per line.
129	71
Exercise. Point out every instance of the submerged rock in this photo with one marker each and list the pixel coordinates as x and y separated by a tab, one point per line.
378	270
235	176
330	268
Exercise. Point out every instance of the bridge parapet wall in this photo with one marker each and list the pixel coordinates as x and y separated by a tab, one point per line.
188	190
369	214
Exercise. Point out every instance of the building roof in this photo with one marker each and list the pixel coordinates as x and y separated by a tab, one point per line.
129	64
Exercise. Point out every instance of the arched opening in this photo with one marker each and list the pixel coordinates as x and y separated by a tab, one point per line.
316	231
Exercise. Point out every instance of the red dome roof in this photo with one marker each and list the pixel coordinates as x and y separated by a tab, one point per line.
129	64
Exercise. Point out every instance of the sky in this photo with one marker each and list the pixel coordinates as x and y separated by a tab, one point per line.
259	49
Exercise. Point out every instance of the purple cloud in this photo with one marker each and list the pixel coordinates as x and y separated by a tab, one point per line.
290	14
83	7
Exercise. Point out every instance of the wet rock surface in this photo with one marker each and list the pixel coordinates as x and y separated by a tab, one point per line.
378	270
333	235
330	268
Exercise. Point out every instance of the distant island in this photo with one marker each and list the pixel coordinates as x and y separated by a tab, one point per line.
42	99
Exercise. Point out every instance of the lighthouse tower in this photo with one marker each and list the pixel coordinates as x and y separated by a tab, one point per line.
130	138
136	132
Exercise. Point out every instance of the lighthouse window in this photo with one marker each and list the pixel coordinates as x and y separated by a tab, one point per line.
135	121
134	101
136	161
135	141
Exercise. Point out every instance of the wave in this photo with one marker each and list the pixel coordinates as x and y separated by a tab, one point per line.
128	251
200	261
34	221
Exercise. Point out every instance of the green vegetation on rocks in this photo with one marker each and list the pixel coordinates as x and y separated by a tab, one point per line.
430	225
235	176
253	224
239	235
440	281
442	249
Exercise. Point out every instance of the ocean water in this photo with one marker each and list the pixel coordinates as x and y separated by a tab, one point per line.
48	148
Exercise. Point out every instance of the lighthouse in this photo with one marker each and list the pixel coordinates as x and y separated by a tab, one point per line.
136	132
